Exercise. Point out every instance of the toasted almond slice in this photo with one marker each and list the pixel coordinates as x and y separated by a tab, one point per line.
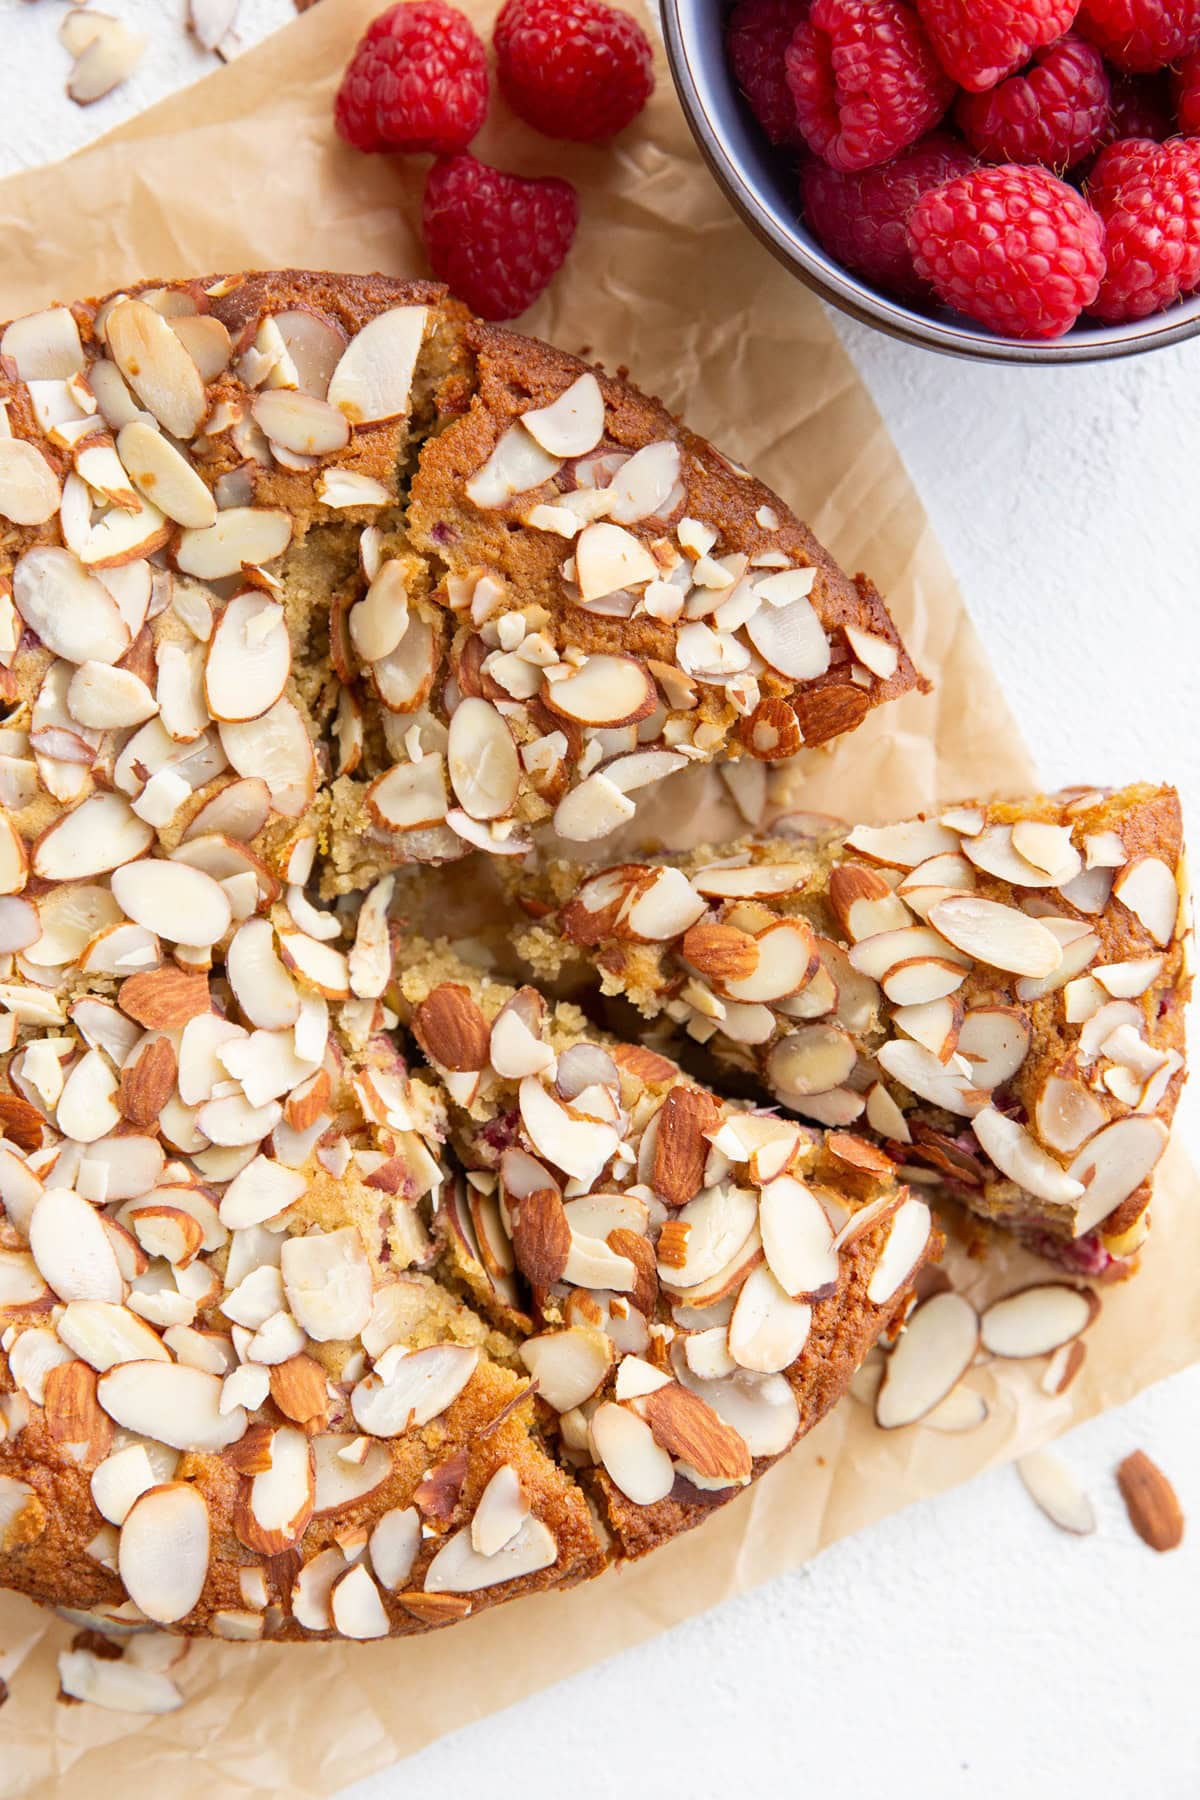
903	846
933	1023
172	900
578	1146
206	341
104	1335
815	1059
419	1386
482	760
1113	1165
120	1479
906	1241
762	881
1017	1154
1067	1114
713	1228
789	637
1148	888
165	476
262	1190
993	851
877	654
996	934
395	1543
163	1555
608	558
458	1568
21	1285
174	1404
87	1107
378	622
922	979
45	346
326	1276
607	691
71	611
301	423
995	1040
768	1329
919	1070
864	903
319	965
568	1366
1048	848
314	345
572	424
1055	1489
108	58
29	489
516	464
72	1250
797	1240
115	1686
313	1587
156	367
107	699
626	1446
502	1510
249	658
663	907
342	1482
787	954
274	1512
410	796
374	376
241	537
933	1353
1037	1320
277	748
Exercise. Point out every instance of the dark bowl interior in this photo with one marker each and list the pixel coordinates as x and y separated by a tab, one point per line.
761	184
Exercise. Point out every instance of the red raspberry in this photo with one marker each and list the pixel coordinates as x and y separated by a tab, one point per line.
1186	90
417	81
1053	112
1148	197
1013	247
495	239
865	81
573	68
979	42
1139	35
758	33
1140	108
861	219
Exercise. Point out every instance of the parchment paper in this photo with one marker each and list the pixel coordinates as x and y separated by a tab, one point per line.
243	171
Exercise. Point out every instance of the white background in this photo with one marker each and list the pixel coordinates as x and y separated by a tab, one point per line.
966	1646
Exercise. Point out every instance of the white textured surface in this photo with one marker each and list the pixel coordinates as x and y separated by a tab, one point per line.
966	1646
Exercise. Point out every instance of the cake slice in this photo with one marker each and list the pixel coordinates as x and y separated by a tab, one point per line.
996	991
695	1281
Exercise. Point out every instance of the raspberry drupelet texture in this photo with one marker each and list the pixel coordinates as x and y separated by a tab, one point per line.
865	81
1140	107
756	37
1012	247
1148	198
495	239
573	68
862	219
417	81
1054	111
979	42
1140	35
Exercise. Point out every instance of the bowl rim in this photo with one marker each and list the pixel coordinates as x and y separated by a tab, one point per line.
832	283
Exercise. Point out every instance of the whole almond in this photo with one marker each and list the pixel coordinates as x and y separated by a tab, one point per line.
1151	1502
164	999
305	1104
772	732
73	1413
251	1455
681	1149
721	953
541	1238
451	1029
646	1065
687	1427
148	1081
21	1122
826	712
435	1609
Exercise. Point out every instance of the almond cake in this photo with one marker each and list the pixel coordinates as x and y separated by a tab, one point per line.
996	992
345	1291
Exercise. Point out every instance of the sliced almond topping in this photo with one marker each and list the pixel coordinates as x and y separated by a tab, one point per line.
933	1353
789	637
633	1459
249	658
541	1237
768	1329
905	1246
797	1239
568	1366
164	999
458	1568
356	1608
714	1228
1049	1481
157	367
1018	1155
163	1553
571	425
327	1278
1037	1320
516	464
1113	1165
29	490
593	809
502	1510
419	1386
607	691
172	900
687	1427
373	378
996	934
342	1480
70	610
410	796
272	1513
481	757
395	1544
378	622
607	558
451	1029
108	57
813	1060
1047	847
995	1040
72	1250
1147	887
301	423
578	1146
164	476
241	537
174	1404
903	846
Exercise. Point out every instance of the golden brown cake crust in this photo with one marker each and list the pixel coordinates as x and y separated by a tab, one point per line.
304	577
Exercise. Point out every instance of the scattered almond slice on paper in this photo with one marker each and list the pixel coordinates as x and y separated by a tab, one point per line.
106	53
1053	1485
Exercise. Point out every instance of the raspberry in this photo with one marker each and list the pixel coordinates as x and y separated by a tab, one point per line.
861	218
1148	197
1140	35
573	68
979	42
1186	91
1054	112
1140	108
1013	247
495	239
758	33
865	81
417	81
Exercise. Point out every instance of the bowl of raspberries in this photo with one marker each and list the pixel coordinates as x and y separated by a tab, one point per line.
1016	180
